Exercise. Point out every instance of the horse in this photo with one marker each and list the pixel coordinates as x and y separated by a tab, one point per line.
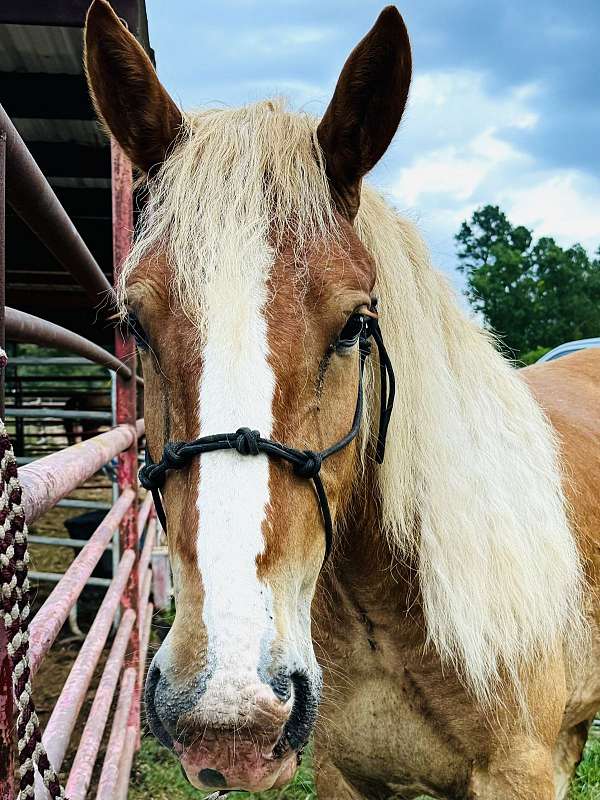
429	622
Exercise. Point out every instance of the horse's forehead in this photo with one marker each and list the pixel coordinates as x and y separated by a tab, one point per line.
324	272
325	268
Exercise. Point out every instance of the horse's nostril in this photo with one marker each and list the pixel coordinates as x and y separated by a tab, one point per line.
157	724
282	687
212	778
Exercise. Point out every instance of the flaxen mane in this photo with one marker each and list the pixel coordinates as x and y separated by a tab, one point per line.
470	455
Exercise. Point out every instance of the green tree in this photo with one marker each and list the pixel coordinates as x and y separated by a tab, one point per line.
531	294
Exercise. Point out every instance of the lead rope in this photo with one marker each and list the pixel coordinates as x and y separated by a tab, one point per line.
14	567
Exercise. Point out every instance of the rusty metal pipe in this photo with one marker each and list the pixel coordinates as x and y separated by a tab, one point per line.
146	629
147	549
64	715
91	738
146	583
122	215
122	785
110	768
23	327
144	513
32	198
49	479
47	623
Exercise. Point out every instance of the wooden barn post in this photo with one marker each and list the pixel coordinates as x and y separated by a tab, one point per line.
122	231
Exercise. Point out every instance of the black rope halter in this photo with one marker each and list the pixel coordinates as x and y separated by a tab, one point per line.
305	463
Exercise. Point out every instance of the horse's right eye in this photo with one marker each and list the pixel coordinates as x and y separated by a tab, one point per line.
135	329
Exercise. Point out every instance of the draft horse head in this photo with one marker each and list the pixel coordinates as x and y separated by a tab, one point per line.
253	301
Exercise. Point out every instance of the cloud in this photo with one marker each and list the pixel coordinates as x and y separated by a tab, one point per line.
564	205
281	38
453	117
457	172
502	107
456	153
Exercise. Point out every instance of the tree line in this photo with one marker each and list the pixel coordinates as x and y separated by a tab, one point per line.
533	295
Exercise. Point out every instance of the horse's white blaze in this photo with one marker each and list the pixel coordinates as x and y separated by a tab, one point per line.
236	389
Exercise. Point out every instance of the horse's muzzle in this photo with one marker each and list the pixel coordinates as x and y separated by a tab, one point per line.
236	762
249	738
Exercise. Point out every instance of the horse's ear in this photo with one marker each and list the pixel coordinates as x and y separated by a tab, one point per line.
125	90
366	108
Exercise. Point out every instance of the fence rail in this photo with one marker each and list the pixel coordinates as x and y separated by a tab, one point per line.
32	198
23	327
53	477
47	481
35	412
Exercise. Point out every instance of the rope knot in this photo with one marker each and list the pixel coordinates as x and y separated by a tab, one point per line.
152	476
310	466
172	456
246	442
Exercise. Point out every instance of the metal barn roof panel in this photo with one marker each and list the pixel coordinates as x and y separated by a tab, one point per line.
43	90
36	48
87	132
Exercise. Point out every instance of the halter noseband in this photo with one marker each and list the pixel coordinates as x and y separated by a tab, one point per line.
305	463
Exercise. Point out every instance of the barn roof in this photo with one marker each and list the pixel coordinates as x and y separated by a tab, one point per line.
43	90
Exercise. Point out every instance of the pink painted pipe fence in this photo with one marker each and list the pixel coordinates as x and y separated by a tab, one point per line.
91	738
50	618
50	479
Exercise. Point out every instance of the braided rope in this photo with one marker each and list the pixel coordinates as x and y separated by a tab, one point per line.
14	608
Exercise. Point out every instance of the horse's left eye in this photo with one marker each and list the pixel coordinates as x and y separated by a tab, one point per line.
135	329
351	332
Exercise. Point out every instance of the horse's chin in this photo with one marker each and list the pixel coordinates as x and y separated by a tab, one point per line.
249	770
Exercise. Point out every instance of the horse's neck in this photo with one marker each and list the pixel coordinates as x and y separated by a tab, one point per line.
363	570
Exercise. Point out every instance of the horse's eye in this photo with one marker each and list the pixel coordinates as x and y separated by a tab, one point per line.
351	332
135	329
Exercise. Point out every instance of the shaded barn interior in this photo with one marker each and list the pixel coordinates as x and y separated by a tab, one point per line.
43	90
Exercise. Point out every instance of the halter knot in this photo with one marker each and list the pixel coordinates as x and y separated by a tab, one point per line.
172	455
246	442
152	476
310	466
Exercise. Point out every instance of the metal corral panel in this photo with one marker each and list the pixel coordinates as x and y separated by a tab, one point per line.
569	347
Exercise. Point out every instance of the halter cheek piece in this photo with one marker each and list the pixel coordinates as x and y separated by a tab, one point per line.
305	463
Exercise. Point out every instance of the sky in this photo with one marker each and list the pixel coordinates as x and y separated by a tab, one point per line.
504	105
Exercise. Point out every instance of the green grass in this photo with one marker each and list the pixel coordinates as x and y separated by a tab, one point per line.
156	775
586	785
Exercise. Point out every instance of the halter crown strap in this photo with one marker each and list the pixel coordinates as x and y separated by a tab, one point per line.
305	463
